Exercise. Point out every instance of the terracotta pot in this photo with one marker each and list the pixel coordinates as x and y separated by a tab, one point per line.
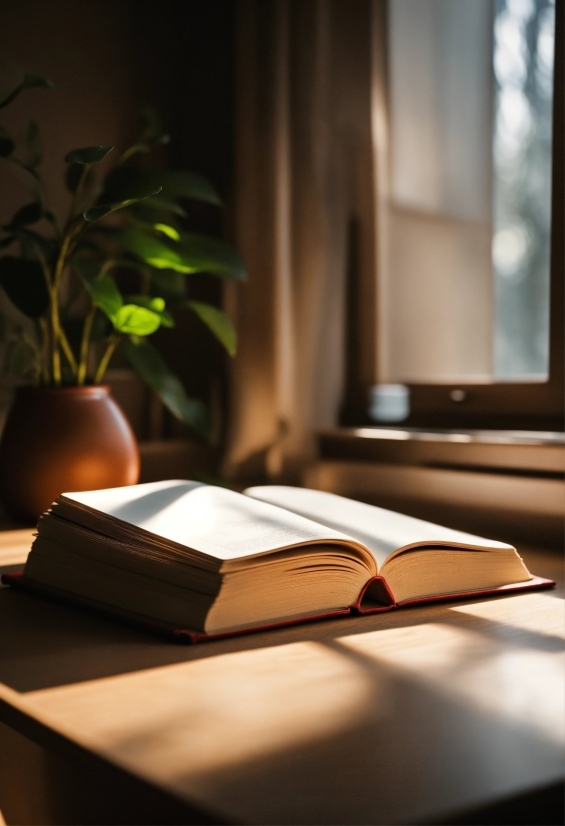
61	439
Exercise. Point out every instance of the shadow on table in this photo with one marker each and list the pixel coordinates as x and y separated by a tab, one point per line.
401	750
46	643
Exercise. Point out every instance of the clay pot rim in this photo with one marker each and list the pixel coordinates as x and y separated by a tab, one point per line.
73	390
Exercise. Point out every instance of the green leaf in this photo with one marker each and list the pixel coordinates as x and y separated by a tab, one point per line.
167	230
32	243
156	305
135	320
7	146
212	255
30	81
145	146
125	182
150	249
169	282
102	328
24	284
88	155
149	364
194	253
73	176
151	136
28	214
131	264
97	212
135	317
218	322
157	210
184	184
33	81
103	290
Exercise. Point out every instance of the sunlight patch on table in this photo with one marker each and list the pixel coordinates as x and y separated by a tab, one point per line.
208	714
517	683
537	613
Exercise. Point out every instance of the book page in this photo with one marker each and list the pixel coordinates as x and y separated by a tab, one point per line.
213	520
382	531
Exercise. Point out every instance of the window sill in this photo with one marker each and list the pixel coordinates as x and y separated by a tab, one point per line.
506	485
500	451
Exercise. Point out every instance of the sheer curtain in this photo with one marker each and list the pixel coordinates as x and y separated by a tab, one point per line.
306	224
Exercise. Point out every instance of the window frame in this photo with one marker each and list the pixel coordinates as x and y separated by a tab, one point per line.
497	405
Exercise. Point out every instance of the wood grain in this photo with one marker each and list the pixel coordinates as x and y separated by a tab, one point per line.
400	717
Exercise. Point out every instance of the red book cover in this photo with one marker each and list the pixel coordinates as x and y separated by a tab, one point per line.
374	598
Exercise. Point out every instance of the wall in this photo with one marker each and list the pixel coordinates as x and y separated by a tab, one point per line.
107	59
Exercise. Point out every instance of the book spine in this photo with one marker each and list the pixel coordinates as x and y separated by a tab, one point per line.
375	597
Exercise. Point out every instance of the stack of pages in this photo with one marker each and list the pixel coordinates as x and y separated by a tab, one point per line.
202	561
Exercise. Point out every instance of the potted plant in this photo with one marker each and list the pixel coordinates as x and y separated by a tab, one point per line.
64	432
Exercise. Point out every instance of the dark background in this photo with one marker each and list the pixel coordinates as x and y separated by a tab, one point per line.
107	59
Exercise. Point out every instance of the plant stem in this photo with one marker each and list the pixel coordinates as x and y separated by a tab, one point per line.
106	267
55	356
57	377
57	335
44	349
105	360
43	323
72	232
67	351
127	154
84	344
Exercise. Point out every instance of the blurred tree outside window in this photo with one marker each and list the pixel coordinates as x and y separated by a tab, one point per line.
523	77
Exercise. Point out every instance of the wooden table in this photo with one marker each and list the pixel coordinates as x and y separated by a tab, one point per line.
423	715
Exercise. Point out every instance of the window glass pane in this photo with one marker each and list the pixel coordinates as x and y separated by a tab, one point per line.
466	292
523	69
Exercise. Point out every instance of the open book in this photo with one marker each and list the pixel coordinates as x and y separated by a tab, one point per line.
200	561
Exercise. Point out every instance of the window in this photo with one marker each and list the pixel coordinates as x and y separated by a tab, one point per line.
471	277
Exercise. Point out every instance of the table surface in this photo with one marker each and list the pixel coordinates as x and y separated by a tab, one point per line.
400	717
